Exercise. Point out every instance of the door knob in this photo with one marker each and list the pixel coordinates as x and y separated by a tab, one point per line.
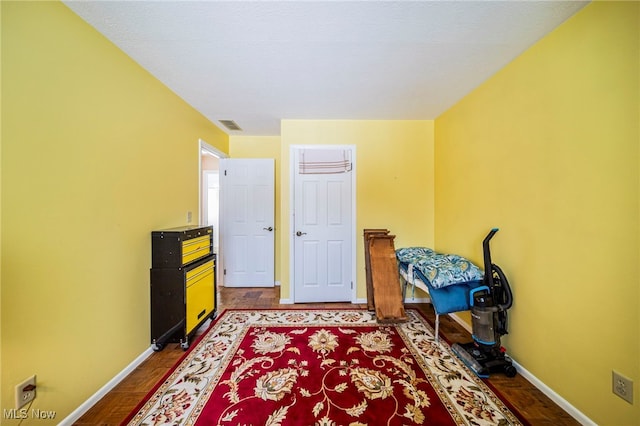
299	234
268	229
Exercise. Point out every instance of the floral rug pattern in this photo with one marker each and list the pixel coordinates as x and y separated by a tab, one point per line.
324	368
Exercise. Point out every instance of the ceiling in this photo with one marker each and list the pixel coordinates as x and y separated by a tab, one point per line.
258	62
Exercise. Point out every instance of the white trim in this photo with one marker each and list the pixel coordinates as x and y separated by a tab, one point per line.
204	146
550	393
292	158
286	301
292	171
215	151
354	204
93	400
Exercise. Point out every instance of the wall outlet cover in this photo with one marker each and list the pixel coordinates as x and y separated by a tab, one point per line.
25	392
622	386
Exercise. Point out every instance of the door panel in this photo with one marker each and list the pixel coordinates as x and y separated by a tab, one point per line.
310	267
248	204
335	261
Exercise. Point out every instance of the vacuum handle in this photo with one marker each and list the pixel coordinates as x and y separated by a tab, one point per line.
489	236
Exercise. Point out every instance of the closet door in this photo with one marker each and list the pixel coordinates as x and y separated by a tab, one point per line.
323	237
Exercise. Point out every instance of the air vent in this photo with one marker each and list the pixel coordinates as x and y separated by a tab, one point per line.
230	124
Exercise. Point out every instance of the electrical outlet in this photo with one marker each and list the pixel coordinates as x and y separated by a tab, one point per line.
189	217
623	387
26	392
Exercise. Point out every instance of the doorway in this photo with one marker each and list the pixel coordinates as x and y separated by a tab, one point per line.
209	194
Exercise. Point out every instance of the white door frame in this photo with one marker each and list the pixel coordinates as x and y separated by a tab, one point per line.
204	146
205	210
292	156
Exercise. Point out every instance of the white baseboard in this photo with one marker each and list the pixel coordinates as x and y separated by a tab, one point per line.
286	302
460	321
93	400
550	393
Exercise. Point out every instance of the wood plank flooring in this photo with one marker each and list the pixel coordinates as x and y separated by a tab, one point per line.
117	404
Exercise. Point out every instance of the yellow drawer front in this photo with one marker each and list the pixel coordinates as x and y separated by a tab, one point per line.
200	297
193	274
195	248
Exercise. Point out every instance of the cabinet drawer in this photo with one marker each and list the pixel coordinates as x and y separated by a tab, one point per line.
194	274
195	248
199	294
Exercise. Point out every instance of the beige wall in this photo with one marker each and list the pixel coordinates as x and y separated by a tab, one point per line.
96	154
547	150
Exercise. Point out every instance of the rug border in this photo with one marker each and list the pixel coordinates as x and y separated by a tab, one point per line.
214	321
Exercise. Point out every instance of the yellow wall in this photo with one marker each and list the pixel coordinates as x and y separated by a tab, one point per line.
1	132
96	153
548	151
393	158
262	147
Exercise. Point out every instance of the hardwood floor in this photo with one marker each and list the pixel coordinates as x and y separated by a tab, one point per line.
117	404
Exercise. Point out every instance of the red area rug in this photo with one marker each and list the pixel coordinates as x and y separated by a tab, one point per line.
320	367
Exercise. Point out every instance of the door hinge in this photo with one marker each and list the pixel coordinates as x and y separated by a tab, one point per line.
225	172
351	285
224	272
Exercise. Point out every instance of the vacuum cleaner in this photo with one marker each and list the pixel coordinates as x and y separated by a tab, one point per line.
489	304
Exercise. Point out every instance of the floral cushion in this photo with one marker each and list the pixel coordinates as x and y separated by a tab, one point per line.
440	269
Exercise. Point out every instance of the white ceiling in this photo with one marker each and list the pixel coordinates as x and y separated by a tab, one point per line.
257	62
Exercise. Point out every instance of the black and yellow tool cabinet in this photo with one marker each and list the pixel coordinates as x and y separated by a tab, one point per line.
183	283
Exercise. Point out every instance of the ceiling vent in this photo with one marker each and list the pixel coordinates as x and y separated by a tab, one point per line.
230	124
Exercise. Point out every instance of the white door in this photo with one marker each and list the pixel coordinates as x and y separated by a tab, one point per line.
248	202
323	233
